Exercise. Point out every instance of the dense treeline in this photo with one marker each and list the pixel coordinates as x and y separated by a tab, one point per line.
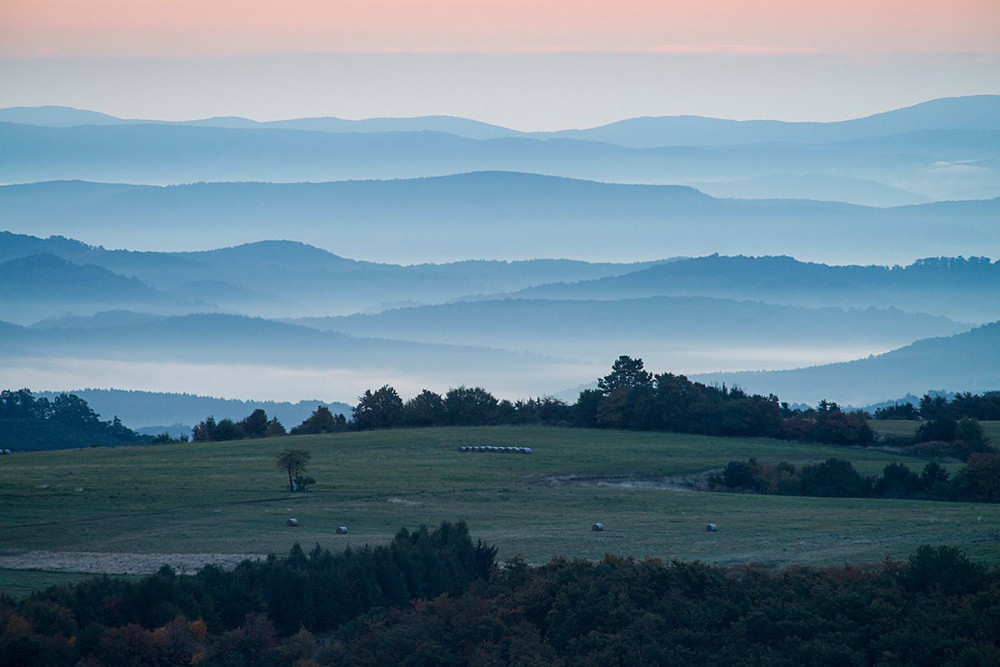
624	612
966	405
254	425
30	423
630	397
383	408
627	398
435	598
235	618
977	481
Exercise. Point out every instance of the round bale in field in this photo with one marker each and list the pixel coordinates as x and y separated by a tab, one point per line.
712	528
597	527
292	522
342	530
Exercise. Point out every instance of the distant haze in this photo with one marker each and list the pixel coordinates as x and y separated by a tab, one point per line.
459	131
518	63
526	91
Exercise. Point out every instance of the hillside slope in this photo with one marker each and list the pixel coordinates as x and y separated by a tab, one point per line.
964	362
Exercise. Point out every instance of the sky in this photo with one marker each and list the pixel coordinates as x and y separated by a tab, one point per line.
75	28
528	65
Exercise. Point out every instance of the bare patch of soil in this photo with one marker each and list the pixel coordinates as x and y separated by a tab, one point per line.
693	482
96	562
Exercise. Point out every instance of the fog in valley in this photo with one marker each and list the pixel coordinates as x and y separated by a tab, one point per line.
314	258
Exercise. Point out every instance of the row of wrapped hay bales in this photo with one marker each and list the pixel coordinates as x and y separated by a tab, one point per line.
598	527
496	449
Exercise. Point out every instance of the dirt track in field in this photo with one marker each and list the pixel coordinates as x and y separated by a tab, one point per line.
96	562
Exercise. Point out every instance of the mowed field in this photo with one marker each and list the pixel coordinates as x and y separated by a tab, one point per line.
228	498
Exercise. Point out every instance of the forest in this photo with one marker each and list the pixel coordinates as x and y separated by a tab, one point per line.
27	422
433	597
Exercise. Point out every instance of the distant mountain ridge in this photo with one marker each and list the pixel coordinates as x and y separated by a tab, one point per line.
817	187
681	333
282	279
709	312
929	285
965	362
262	278
943	149
61	116
46	276
226	350
411	199
980	112
496	214
215	338
676	319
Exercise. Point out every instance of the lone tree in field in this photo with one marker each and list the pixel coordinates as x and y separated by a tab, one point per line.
293	462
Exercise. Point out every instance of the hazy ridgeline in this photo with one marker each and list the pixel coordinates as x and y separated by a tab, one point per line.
495	215
547	328
906	156
857	197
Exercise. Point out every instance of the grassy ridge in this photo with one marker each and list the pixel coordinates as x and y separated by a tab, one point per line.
229	498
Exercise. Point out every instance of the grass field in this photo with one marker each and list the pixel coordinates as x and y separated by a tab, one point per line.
229	498
21	583
905	427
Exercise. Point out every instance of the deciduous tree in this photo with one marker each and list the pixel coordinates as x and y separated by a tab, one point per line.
293	462
382	408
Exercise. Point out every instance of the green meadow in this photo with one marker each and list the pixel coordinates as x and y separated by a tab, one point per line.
229	498
904	427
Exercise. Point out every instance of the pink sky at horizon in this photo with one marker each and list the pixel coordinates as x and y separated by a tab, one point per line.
182	28
524	64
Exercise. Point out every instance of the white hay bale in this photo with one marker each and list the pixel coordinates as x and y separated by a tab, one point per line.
597	527
342	530
292	522
711	528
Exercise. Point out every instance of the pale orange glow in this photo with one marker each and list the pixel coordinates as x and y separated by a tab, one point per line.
226	27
